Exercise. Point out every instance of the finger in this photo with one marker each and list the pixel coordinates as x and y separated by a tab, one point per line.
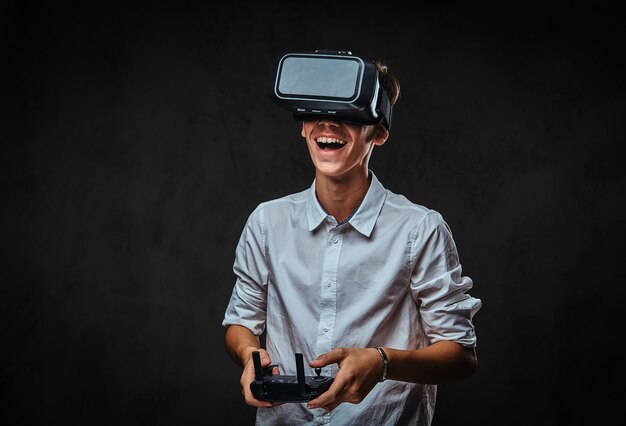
251	400
333	357
331	396
328	403
331	407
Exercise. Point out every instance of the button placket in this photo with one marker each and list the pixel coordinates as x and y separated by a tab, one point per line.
328	294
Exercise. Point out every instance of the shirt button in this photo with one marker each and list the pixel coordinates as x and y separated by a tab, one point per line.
329	284
325	329
335	240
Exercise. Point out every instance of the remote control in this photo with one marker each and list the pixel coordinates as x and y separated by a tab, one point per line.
280	388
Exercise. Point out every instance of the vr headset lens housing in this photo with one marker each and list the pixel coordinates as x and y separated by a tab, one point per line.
343	86
320	78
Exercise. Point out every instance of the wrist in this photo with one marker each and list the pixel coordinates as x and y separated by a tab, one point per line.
245	354
385	361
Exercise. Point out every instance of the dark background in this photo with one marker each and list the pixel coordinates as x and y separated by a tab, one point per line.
136	141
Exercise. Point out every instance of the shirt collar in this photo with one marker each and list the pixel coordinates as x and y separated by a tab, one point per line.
363	220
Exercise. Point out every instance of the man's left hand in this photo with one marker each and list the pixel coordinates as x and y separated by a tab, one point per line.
359	371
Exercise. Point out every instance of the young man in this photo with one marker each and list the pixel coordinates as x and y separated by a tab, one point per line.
363	282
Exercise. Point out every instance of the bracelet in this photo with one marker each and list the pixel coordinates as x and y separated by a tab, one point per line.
383	355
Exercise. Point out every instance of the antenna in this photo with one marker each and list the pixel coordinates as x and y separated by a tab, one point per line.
300	373
258	370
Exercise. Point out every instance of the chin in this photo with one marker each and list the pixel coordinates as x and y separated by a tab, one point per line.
330	171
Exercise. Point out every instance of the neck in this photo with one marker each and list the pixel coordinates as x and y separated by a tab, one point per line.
341	197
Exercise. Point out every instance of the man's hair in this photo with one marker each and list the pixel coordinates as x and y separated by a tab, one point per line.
389	82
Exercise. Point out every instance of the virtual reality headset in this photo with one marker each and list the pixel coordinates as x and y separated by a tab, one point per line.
331	84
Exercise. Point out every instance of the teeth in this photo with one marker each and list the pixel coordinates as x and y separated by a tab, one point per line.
324	139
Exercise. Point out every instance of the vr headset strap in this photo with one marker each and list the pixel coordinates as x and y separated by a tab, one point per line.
385	109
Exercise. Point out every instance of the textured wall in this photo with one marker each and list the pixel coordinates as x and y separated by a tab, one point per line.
136	142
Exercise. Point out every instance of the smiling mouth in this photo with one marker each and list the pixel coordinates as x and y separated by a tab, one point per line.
330	144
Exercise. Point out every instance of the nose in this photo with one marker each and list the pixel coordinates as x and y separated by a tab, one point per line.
328	121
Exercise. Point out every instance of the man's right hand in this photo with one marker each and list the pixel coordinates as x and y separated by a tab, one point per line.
247	377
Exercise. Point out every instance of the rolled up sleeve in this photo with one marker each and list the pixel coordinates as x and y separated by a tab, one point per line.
248	302
438	286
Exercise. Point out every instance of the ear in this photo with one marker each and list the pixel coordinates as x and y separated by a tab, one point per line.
302	131
381	134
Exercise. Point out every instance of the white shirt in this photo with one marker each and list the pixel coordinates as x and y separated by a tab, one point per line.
389	276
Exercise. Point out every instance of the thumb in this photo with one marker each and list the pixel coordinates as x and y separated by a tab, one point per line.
265	358
333	357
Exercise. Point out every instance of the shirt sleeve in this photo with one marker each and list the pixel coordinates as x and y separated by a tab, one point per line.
438	286
248	302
